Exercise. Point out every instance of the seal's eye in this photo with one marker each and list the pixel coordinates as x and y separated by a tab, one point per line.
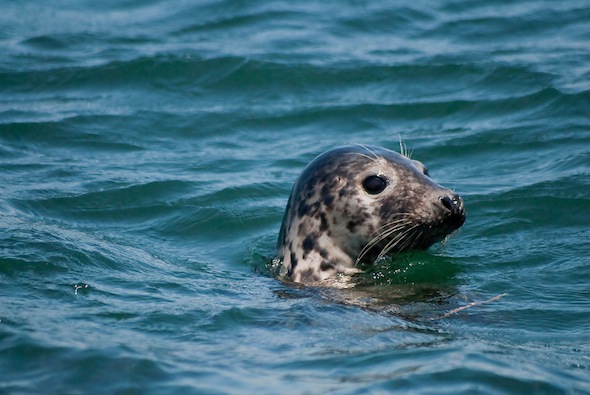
374	184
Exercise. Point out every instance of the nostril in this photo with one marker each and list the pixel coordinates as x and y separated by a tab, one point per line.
447	202
453	203
455	211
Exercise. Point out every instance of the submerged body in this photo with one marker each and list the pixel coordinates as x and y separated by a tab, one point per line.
356	204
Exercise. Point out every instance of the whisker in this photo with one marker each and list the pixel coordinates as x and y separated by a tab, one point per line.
375	154
400	229
383	232
411	240
404	219
378	239
363	155
406	238
403	148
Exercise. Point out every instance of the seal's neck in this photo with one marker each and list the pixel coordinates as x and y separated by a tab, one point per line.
316	257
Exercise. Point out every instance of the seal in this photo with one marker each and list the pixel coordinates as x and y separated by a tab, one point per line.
357	204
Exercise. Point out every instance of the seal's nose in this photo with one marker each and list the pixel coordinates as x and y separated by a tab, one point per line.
454	205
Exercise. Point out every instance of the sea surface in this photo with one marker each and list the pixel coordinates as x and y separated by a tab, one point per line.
148	148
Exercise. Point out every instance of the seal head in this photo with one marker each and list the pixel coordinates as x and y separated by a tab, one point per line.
357	204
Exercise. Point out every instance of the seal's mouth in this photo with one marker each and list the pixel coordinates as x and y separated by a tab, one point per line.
452	218
404	233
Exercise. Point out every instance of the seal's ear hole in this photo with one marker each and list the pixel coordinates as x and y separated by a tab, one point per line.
421	167
374	184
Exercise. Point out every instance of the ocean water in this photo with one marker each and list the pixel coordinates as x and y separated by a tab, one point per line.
148	148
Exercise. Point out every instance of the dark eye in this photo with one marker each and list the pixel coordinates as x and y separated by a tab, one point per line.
374	184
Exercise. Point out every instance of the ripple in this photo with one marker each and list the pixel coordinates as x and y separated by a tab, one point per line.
147	154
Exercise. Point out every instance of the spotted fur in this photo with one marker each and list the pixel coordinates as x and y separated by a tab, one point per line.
332	223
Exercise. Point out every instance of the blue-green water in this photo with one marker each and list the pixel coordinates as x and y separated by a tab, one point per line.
147	150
